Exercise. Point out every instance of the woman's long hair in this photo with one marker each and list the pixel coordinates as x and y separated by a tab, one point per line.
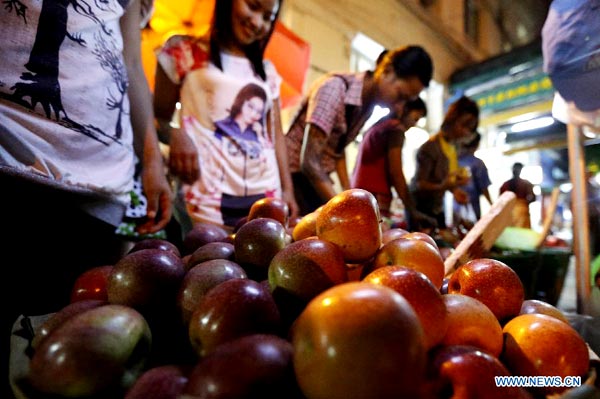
221	31
247	92
463	105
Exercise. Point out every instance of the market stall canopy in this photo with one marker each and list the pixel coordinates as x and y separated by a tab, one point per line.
288	52
571	51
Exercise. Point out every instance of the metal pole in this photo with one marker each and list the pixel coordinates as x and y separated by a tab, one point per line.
579	205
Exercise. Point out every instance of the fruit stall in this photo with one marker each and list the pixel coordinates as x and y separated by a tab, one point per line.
329	305
323	306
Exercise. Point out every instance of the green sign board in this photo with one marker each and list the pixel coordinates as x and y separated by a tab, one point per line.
532	89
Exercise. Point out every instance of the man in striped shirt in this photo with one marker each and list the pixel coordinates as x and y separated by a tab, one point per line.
336	108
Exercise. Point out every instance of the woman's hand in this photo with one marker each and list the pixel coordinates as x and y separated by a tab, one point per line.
183	157
460	196
290	199
159	196
463	175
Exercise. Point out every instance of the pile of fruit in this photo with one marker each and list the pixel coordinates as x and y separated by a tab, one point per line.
326	306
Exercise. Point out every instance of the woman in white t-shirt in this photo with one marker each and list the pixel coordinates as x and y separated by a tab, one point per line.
229	148
75	117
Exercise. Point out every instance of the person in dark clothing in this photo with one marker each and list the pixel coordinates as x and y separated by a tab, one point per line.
523	189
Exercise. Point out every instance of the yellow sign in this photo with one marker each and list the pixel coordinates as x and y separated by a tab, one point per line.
514	94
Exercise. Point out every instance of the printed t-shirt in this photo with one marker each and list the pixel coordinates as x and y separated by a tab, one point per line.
238	164
58	63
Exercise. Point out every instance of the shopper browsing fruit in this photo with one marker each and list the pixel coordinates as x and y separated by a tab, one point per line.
437	168
379	160
334	111
75	114
228	148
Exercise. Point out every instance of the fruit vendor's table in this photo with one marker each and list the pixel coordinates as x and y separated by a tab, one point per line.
588	327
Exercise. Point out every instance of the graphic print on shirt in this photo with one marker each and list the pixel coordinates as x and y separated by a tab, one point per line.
245	122
39	89
226	113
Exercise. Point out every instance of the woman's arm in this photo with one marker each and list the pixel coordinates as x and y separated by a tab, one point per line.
313	147
395	143
155	185
287	186
394	160
341	168
424	166
183	155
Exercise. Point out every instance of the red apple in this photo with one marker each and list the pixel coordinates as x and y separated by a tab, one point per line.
232	309
91	284
421	294
414	254
491	282
202	278
351	221
470	322
209	251
273	208
470	373
64	314
254	366
293	221
256	243
242	221
306	268
160	382
444	287
392	234
200	234
301	271
359	340
541	345
419	235
536	306
357	272
306	227
155	243
147	280
102	348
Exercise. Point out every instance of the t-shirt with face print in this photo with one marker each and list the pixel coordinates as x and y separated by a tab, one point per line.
225	113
